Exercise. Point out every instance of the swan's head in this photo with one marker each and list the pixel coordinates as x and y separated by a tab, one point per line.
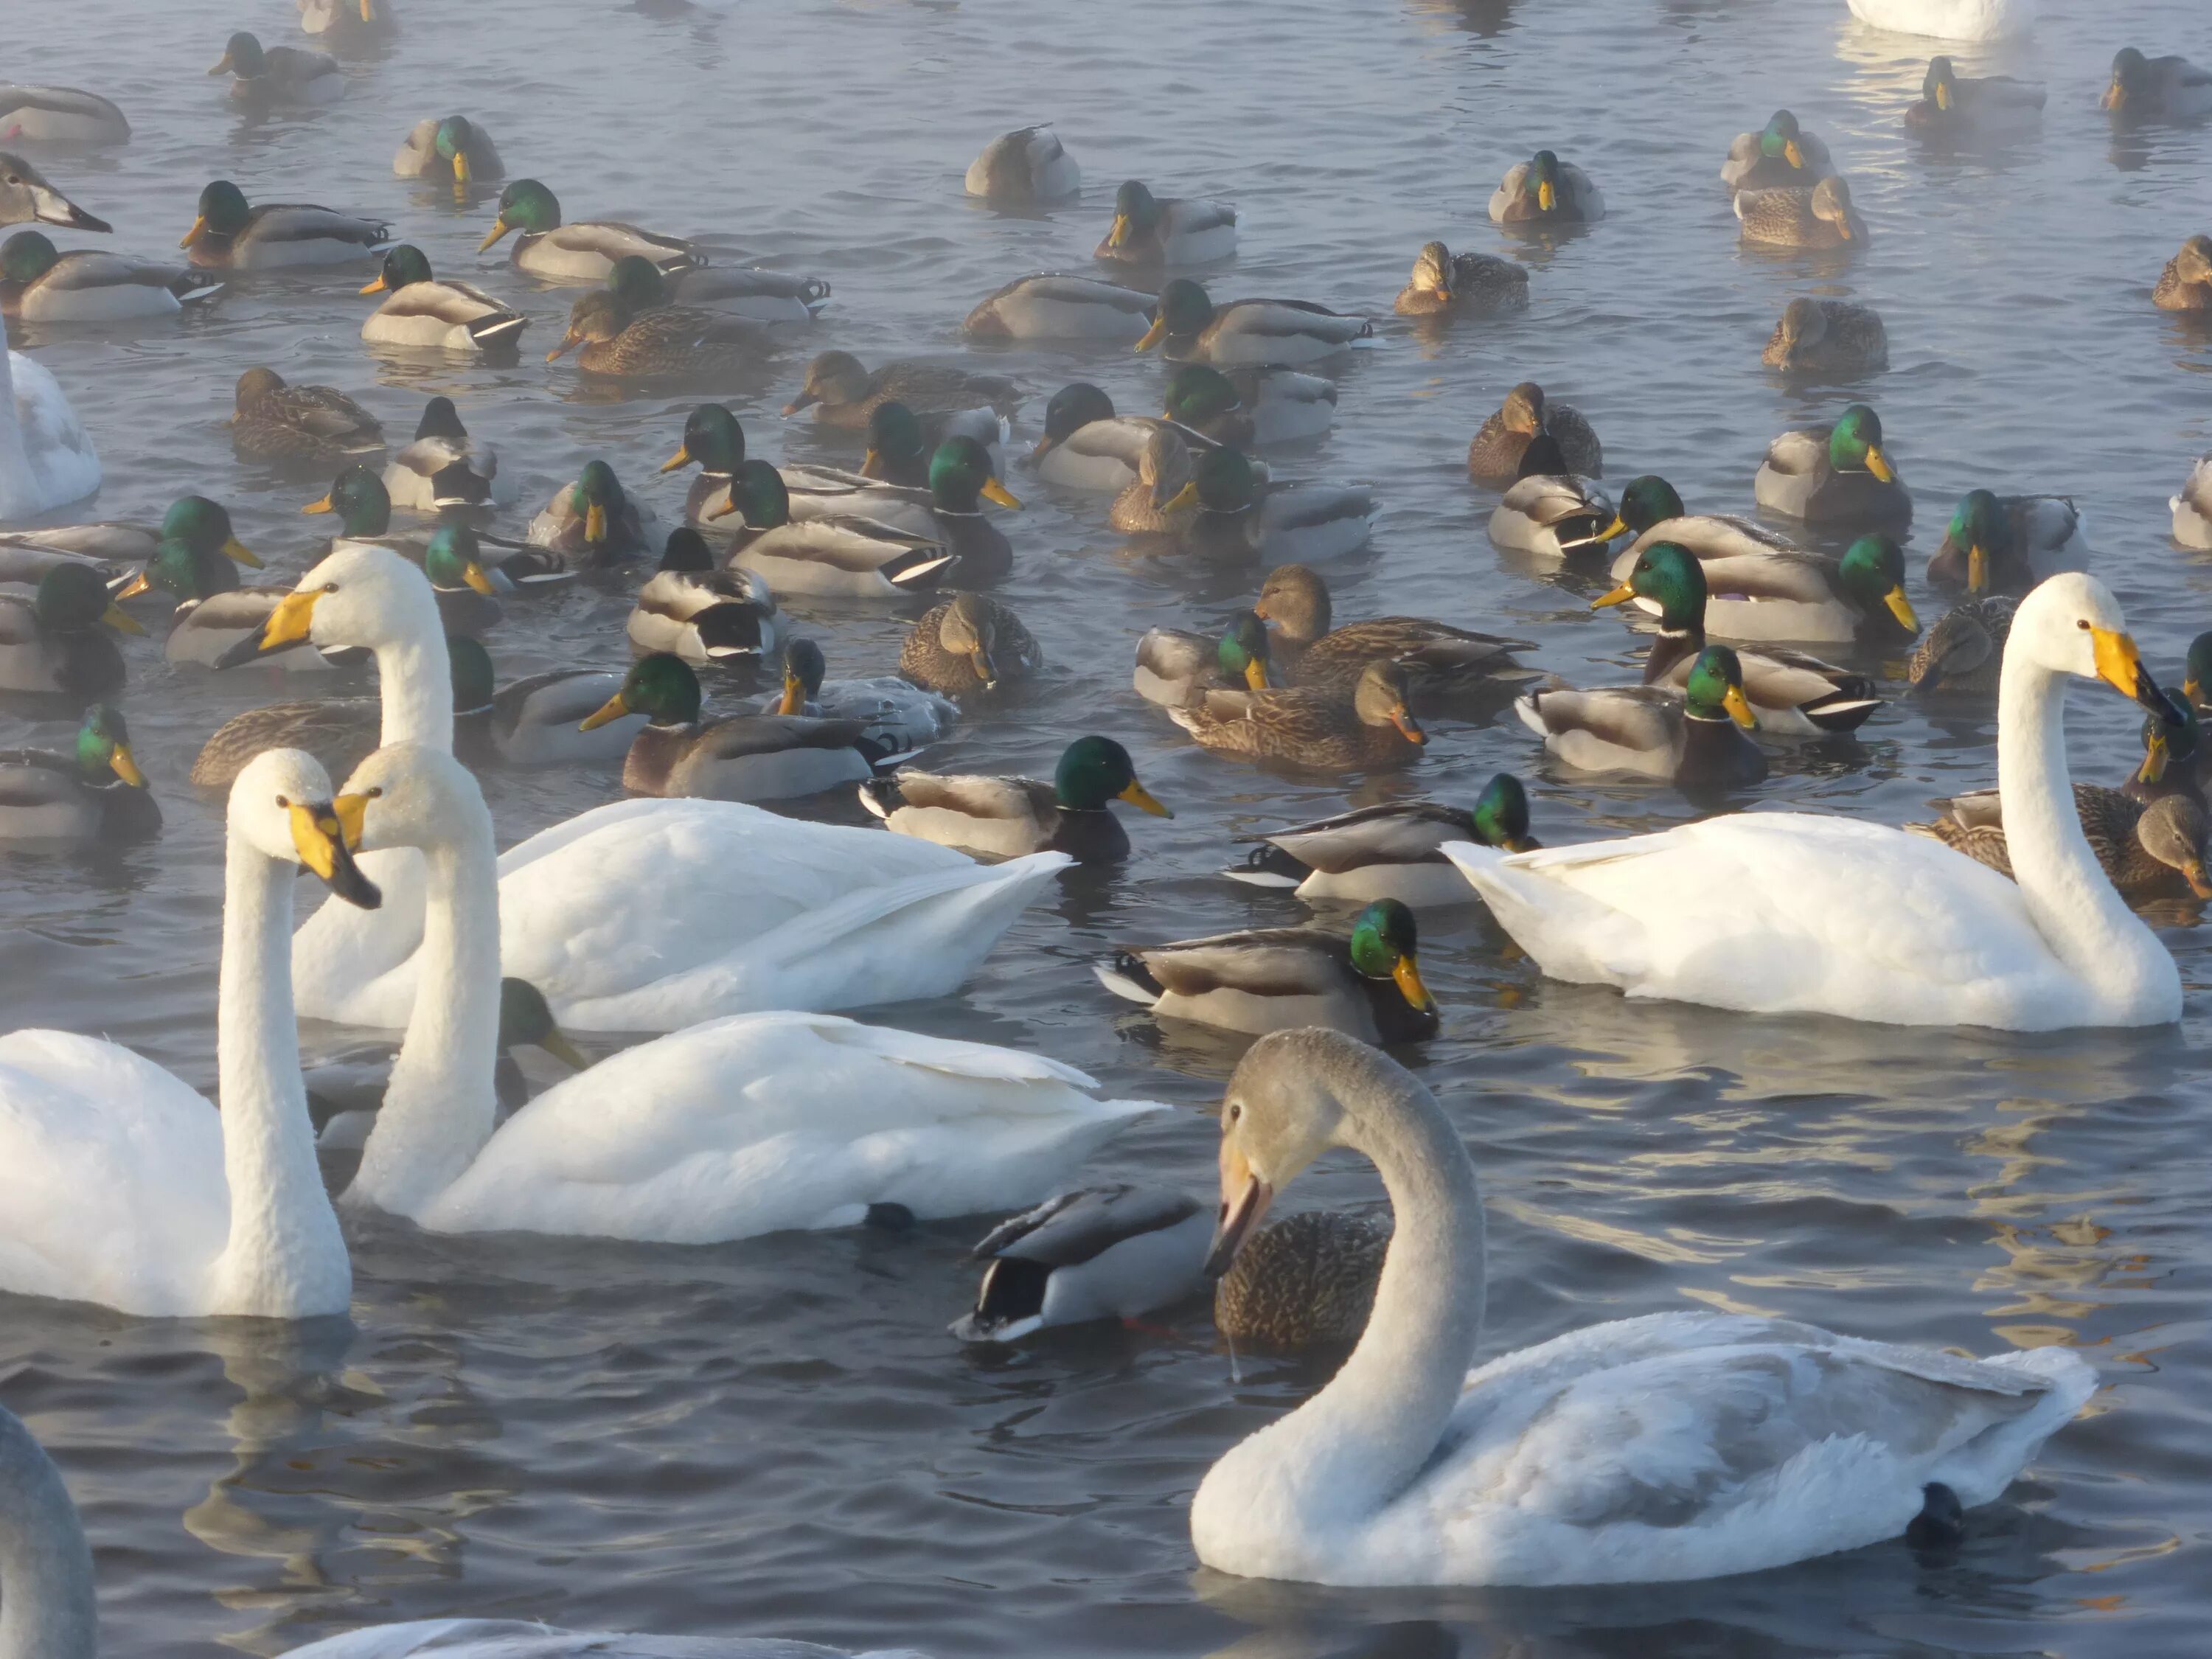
2071	624
282	806
25	195
408	794
1293	1096
361	596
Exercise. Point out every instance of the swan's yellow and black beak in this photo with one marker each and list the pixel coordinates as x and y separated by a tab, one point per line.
994	491
1136	795
320	834
1901	608
1244	1200
2119	665
1739	708
1878	464
125	766
612	709
1621	595
289	623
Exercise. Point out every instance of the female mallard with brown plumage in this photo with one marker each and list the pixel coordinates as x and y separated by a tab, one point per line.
2185	284
1307	1281
1391	851
1448	284
1817	215
690	610
843	393
1495	454
1828	337
2150	851
1440	660
1321	731
317	424
1964	651
968	644
1271	979
1009	816
1163	493
666	343
1838	474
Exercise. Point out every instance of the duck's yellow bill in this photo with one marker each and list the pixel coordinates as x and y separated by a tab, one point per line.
1408	728
1739	709
499	228
376	287
681	457
368	11
220	65
1186	496
566	340
1407	977
1977	569
1901	608
1621	595
1155	334
612	709
1546	197
595	523
1138	796
1792	154
1943	95
727	506
238	553
141	583
1256	674
291	621
1443	292
869	462
474	575
2116	95
125	768
794	695
121	620
200	224
1618	527
1878	464
322	506
2199	882
1844	229
461	167
995	491
2153	770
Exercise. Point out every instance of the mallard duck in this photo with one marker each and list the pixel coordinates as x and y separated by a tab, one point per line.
1162	493
227	234
213	612
1789	691
1964	650
1007	817
2153	88
534	721
968	644
1838	474
1025	165
1173	664
581	253
902	444
303	425
2185	284
761	296
57	641
95	793
1086	446
1440	660
746	758
1953	103
453	147
443	467
1392	851
468	602
1445	284
1305	522
842	393
1055	306
1178	231
2193	507
593	523
895	712
2149	850
419	310
1319	731
26	555
1828	337
363	507
1694	737
1307	1281
960	481
1189	327
714	442
2009	543
26	197
856	556
1494	455
2173	748
347	20
669	342
60	115
277	74
1097	1253
1548	510
1802	216
1368	986
1779	154
690	610
40	285
1544	189
1258	406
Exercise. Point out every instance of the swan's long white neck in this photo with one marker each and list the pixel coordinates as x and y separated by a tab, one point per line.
2074	905
414	683
1358	1442
441	1106
46	1609
286	1258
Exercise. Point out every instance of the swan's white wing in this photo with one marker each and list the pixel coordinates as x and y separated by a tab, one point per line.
503	1638
1775	912
112	1184
762	1122
58	463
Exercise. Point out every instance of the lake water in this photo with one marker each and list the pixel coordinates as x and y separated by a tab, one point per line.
779	1436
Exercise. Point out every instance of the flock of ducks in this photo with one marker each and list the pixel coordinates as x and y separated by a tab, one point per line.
754	1106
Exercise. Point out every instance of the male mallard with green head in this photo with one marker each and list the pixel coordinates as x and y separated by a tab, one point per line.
95	793
38	284
690	610
451	147
1009	816
1390	851
1838	476
57	640
1545	191
585	252
1148	230
2008	543
419	310
1694	737
1189	327
277	74
1954	104
592	523
228	234
1174	664
1779	154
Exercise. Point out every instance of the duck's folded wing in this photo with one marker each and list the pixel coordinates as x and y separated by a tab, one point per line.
1799	453
1638	717
1268	962
976	797
1076	1227
1392	834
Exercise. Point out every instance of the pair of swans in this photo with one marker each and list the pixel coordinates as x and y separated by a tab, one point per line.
1804	913
645	916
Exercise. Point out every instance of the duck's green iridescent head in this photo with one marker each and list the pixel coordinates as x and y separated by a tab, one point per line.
960	477
1668	576
223	211
1135	209
26	256
1183	310
403	265
895	439
1940	86
638	283
205	526
1095	770
454	559
1855	444
2196	677
1241	653
452	140
71	597
1198	392
1715	689
103	747
712	439
1385	944
1501	815
469	665
2130	78
1979	526
757	495
2168	739
527	206
660	687
1871	574
1781	137
362	502
1647	501
186	571
804	665
1073	407
1224	480
526	1021
241	56
596	496
1542	179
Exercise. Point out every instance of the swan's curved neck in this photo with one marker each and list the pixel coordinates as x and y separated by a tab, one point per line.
2076	906
415	681
286	1258
441	1107
46	1609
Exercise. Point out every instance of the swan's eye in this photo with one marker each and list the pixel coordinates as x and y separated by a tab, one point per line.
281	802
1236	1111
377	794
2083	624
330	587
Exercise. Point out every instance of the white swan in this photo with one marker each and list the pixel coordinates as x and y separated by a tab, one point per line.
742	1125
1802	913
45	459
1678	1445
121	1186
644	915
1952	20
47	1609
